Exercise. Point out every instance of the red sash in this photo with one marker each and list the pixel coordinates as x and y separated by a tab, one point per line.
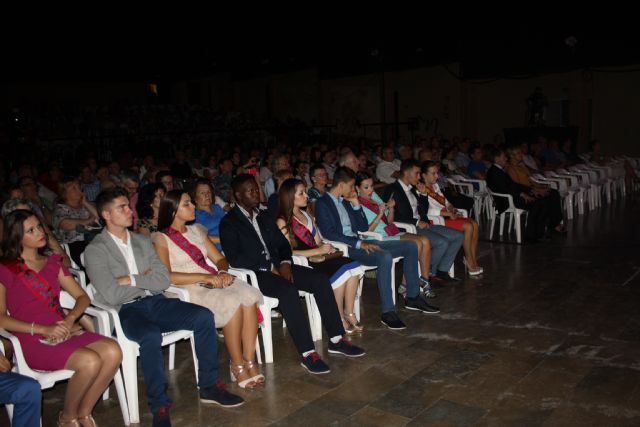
196	255
303	233
373	207
36	284
192	250
436	196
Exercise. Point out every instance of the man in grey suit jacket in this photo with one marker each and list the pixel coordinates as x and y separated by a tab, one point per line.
129	276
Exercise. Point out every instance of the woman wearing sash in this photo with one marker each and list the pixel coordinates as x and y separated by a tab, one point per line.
380	218
30	285
439	205
303	235
195	264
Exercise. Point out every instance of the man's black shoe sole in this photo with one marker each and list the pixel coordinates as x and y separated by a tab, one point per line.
235	405
392	328
345	354
314	373
419	309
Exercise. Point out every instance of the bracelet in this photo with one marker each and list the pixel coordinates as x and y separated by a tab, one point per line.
32	324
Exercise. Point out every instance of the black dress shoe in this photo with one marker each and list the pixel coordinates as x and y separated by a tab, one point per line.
419	304
391	320
445	277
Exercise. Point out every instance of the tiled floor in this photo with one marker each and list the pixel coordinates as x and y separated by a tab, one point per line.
550	336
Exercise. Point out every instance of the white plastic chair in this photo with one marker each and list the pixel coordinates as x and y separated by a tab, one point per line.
515	213
47	379
410	228
131	351
266	307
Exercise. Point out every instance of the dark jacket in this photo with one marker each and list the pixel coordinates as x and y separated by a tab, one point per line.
242	246
403	210
499	182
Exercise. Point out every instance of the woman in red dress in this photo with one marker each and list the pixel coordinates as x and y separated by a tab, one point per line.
439	205
30	284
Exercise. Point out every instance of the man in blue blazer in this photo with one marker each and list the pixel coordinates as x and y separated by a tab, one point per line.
340	221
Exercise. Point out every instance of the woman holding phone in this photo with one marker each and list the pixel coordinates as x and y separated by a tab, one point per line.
380	218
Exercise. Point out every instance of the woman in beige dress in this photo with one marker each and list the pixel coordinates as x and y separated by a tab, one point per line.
195	264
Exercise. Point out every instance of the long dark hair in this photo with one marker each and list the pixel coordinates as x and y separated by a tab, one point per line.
168	208
145	199
286	195
14	232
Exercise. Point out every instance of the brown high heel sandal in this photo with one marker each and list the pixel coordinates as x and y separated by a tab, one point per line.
236	371
258	378
353	321
87	421
73	422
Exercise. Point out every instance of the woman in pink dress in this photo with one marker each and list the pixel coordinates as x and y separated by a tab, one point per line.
30	285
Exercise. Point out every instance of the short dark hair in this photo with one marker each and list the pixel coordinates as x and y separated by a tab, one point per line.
424	168
408	164
108	196
161	174
240	180
343	174
497	151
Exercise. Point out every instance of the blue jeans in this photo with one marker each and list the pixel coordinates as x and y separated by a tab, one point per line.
24	393
384	261
445	244
144	322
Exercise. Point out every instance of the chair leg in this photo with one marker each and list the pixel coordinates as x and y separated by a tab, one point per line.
315	321
130	376
518	229
172	357
258	351
356	305
502	222
493	223
122	396
266	338
192	340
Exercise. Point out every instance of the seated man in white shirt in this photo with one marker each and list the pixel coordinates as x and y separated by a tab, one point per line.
129	276
388	169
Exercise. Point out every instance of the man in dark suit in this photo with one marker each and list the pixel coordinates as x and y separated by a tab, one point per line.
339	220
523	198
412	207
251	240
129	276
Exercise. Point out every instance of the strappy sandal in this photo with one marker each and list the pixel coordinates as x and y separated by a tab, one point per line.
353	321
258	378
87	421
238	370
73	422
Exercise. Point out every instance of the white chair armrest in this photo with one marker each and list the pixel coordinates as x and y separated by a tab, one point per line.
372	234
245	274
436	219
409	228
300	260
182	293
